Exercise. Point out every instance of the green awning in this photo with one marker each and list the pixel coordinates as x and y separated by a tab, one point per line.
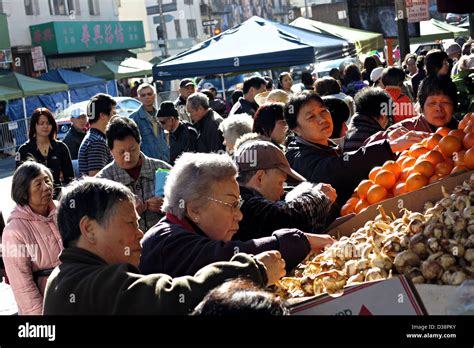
5	36
10	93
30	86
111	71
365	41
156	60
434	30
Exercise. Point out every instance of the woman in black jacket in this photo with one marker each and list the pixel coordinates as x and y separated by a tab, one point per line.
319	159
43	148
372	115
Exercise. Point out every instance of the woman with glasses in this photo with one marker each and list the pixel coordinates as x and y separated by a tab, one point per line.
134	169
202	206
42	147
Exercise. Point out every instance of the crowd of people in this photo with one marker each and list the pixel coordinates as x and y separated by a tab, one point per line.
247	196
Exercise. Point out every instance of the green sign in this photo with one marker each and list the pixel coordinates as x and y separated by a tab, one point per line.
73	37
4	36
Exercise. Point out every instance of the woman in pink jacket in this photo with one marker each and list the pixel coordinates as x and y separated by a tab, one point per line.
31	240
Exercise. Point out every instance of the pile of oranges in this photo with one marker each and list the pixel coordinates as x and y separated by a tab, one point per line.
443	153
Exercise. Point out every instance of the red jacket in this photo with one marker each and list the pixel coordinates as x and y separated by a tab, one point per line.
403	106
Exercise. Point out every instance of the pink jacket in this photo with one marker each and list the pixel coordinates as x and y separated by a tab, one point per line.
31	243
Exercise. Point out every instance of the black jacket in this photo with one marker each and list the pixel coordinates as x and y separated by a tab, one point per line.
183	139
218	106
244	106
360	129
178	247
73	140
328	164
306	210
210	138
58	160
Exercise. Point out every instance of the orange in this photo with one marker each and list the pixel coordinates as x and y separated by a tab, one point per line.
401	159
386	179
409	162
458	157
434	178
449	145
417	150
469	127
443	169
406	173
443	131
363	188
388	196
424	142
468	141
400	189
374	172
352	201
433	156
469	158
404	153
416	181
376	194
458	169
433	140
424	167
347	209
361	206
458	133
465	120
393	167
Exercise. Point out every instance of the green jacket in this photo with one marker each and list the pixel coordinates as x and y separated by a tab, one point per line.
84	284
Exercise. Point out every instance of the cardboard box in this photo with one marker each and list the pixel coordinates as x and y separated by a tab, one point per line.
394	296
413	201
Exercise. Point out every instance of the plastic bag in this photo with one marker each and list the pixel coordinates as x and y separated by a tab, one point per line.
462	300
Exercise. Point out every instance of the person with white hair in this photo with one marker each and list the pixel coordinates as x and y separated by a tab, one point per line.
202	205
206	121
233	128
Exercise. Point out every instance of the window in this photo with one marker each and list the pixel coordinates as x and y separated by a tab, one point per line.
188	2
192	28
177	28
58	8
94	8
29	11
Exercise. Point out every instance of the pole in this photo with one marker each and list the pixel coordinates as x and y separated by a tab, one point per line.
306	8
402	24
389	53
116	88
162	24
223	86
25	117
471	25
106	88
69	97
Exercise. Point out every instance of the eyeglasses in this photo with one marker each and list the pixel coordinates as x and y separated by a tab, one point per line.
234	206
149	94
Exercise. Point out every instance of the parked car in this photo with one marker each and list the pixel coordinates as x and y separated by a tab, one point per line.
454	18
418	48
125	107
323	68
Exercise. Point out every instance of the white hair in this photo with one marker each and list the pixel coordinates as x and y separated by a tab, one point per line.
198	99
193	177
234	126
145	85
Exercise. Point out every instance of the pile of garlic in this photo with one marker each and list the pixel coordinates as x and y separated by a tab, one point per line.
435	247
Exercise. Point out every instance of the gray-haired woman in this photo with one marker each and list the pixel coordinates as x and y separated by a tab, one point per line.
233	127
202	205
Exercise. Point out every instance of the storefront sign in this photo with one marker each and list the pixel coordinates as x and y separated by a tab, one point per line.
71	63
73	37
417	11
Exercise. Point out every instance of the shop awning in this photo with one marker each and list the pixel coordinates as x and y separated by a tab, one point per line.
111	71
30	86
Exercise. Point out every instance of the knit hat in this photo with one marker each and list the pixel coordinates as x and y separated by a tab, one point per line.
167	109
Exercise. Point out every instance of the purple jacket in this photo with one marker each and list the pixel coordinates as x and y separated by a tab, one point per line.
178	247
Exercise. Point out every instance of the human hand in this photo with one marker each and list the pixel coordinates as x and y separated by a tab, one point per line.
140	206
397	133
274	265
328	190
407	140
154	204
319	241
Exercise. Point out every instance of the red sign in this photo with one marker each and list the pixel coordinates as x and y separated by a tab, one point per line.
417	11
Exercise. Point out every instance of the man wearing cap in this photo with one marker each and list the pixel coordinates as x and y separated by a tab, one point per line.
153	136
186	88
263	169
77	132
182	136
246	104
454	52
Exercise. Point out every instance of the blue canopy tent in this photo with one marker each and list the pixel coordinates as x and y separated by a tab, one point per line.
256	44
81	86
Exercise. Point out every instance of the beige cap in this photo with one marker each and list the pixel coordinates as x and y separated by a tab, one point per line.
258	154
274	96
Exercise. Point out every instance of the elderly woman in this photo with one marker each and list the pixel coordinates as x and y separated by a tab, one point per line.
31	240
233	127
269	121
202	205
134	169
372	116
437	97
43	148
320	160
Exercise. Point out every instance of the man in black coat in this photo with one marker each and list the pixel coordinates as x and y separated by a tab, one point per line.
263	169
182	136
247	104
